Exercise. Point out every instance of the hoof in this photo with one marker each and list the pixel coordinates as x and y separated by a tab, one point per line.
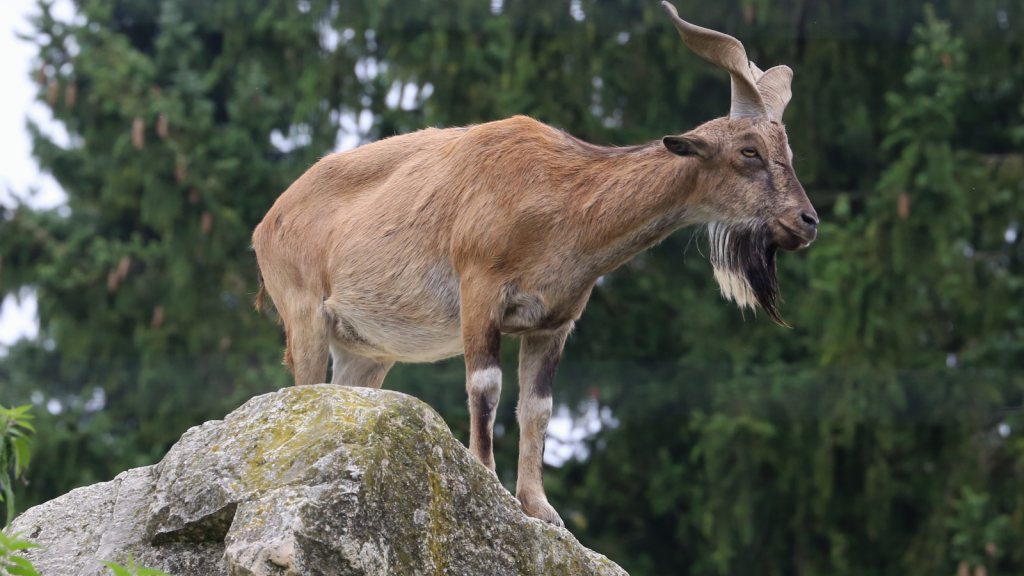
541	510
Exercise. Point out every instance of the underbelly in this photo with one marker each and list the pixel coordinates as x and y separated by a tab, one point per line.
412	316
385	329
401	343
422	323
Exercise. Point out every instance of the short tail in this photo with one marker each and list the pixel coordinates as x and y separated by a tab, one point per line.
261	305
288	360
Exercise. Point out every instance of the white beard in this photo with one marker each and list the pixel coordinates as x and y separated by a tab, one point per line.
732	282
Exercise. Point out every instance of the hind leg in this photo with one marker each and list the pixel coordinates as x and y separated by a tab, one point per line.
307	333
354	370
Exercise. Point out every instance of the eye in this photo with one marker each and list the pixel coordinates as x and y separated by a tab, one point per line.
749	152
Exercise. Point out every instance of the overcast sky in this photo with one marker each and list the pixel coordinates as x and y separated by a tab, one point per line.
20	178
19	173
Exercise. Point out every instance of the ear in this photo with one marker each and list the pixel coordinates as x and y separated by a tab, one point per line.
687	146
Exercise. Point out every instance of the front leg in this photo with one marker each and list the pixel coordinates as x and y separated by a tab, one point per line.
482	341
538	360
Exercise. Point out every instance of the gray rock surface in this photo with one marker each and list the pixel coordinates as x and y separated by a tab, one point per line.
323	480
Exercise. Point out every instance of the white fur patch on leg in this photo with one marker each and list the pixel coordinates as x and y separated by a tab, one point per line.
532	408
486	382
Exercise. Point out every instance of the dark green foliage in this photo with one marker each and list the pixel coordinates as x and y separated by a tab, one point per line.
866	440
15	453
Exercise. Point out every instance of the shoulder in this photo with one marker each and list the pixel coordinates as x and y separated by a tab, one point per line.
515	126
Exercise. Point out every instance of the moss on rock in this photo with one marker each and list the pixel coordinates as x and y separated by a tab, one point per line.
332	480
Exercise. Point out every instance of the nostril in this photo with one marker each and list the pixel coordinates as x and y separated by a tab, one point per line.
809	219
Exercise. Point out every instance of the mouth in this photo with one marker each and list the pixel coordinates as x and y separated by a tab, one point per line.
796	239
743	258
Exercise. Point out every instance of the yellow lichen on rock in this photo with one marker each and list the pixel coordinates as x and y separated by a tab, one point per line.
332	480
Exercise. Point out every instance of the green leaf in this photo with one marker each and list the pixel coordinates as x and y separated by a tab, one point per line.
22	456
22	545
132	569
22	567
118	569
5	488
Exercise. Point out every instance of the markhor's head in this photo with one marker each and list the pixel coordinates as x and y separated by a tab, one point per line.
751	194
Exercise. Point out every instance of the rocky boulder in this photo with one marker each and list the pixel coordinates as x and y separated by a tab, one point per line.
310	480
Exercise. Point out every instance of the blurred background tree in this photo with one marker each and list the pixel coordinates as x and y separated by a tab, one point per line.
882	435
